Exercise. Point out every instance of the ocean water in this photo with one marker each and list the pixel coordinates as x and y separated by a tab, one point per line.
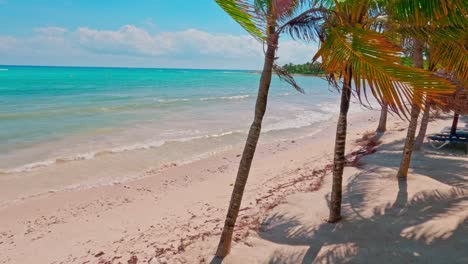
51	115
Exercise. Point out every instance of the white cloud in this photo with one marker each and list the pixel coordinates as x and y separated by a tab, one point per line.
127	40
133	40
7	43
296	52
50	30
131	44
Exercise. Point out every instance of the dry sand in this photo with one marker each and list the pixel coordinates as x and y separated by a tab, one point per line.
174	214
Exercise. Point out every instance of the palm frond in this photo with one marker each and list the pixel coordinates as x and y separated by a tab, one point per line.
375	64
307	25
284	75
451	58
245	15
449	47
424	12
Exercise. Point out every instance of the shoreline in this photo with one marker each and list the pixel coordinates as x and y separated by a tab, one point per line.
92	170
175	213
176	193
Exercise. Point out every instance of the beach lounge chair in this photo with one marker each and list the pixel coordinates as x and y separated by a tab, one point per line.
446	139
446	130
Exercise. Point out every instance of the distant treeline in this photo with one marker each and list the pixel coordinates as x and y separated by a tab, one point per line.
306	68
315	68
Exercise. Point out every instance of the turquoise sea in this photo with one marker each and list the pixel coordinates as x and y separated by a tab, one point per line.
51	114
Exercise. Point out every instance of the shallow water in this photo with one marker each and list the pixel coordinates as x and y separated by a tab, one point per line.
51	115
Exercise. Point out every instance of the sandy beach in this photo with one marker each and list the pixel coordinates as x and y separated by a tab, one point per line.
233	132
174	213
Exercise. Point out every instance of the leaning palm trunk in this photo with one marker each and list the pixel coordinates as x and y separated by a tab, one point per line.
339	159
415	110
383	119
423	129
224	246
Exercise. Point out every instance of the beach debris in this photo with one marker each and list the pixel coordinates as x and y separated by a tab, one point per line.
368	145
99	254
133	260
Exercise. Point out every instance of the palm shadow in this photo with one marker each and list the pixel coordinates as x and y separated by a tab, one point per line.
444	166
397	233
429	228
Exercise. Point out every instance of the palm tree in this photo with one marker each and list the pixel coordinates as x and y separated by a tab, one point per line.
418	62
356	51
442	25
426	114
265	20
353	50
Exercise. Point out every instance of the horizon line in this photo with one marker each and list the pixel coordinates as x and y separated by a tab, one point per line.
120	67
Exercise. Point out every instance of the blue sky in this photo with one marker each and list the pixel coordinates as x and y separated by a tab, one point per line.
130	33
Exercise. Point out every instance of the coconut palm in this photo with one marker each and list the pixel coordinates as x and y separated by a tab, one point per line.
442	25
265	20
359	55
418	62
354	52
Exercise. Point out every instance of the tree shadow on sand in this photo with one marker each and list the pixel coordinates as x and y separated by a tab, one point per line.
398	233
448	166
431	227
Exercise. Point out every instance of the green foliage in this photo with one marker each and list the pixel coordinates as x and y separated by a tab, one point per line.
441	24
359	43
306	68
244	14
408	62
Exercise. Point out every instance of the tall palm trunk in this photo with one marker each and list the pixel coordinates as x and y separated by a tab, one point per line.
224	245
409	143
423	129
339	159
415	110
427	109
383	119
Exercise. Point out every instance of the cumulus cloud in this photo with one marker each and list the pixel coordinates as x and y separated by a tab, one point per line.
127	40
193	47
133	40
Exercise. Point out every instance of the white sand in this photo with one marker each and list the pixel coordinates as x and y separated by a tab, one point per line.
174	214
423	221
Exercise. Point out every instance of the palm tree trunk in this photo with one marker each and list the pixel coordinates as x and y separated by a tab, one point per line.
383	119
427	109
224	245
415	110
453	129
423	129
409	143
339	159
